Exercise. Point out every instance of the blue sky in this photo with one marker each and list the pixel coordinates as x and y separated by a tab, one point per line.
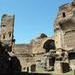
32	17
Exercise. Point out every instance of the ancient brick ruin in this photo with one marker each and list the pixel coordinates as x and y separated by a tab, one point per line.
43	54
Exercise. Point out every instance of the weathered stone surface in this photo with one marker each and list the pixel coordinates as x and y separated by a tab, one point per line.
42	54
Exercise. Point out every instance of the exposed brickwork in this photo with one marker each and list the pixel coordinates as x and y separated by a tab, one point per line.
42	54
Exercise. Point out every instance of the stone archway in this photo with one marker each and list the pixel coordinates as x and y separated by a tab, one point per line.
49	44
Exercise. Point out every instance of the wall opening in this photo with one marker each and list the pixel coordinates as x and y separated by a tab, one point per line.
52	62
9	34
48	45
27	69
64	15
33	68
3	25
3	36
65	67
72	55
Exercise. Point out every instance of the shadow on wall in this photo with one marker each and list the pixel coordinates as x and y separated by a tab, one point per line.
8	64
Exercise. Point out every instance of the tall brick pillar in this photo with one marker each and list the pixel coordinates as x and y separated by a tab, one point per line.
7	31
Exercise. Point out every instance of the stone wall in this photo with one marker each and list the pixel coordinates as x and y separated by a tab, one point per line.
24	54
64	26
64	29
22	49
7	30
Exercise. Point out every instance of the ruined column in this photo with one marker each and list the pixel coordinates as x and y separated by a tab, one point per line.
58	67
47	63
7	31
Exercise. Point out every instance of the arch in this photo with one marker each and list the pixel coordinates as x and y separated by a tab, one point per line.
49	44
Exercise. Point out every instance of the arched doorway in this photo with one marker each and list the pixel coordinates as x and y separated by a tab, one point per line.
49	44
49	47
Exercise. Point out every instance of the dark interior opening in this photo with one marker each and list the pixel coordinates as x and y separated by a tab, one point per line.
3	25
9	34
65	67
72	55
27	69
3	36
52	61
49	44
33	68
64	14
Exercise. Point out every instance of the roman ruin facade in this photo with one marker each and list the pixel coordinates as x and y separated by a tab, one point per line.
64	32
42	54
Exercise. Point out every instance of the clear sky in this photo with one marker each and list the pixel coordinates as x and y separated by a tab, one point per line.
32	16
